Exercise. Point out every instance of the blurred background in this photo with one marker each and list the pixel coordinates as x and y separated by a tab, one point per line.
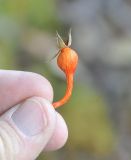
98	114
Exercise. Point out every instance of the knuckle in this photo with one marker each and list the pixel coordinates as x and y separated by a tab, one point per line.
9	142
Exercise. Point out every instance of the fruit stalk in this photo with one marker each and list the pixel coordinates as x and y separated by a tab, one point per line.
68	93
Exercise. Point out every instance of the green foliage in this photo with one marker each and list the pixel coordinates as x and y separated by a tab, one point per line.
17	16
7	59
40	13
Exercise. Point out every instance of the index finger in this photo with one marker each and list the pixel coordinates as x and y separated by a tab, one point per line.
16	86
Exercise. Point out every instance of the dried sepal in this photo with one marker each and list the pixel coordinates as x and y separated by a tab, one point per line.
60	43
55	56
69	38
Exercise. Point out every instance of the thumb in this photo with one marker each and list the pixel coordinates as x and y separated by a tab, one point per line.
25	129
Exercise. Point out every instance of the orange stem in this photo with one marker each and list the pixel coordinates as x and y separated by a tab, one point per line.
69	79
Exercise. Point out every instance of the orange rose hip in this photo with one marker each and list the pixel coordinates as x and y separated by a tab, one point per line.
67	61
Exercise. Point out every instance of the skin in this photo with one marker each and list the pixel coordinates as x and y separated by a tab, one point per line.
18	86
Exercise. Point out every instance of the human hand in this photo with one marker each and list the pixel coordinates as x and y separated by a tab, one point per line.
28	122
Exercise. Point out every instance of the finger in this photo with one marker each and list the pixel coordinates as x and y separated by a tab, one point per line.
26	129
15	86
59	136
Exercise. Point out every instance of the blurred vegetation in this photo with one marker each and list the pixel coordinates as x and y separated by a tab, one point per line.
30	12
86	115
18	16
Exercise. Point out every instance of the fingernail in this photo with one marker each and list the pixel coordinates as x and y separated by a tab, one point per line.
29	118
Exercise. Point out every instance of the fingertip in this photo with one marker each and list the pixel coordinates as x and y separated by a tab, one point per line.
40	84
16	86
59	136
